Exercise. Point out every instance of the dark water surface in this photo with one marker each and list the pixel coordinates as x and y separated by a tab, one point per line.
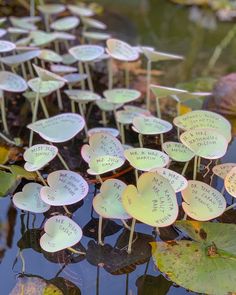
166	27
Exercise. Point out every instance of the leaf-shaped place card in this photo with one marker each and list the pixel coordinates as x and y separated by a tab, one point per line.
80	10
204	119
153	201
150	125
65	24
45	75
6	46
144	159
107	106
112	131
86	53
51	129
222	170
51	8
209	257
62	69
103	164
49	56
29	199
44	87
12	82
20	58
94	23
121	95
155	56
38	156
61	232
102	144
65	188
121	50
82	96
178	181
230	182
177	151
205	143
202	202
108	202
96	35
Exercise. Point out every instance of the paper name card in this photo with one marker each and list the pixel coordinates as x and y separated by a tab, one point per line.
121	50
12	82
222	170
121	95
86	53
82	96
151	125
177	151
103	164
230	182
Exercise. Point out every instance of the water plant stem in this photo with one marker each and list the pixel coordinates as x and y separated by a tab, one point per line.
195	168
140	139
90	81
131	236
41	178
3	113
185	168
149	70
76	251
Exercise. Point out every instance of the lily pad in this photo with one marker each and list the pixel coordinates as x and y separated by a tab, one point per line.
205	265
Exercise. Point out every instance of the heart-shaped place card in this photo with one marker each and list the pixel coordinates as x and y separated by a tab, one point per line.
162	91
41	38
153	201
155	56
6	46
75	78
202	202
38	156
150	125
49	55
126	117
222	170
82	96
61	232
103	164
51	129
204	119
61	36
29	199
178	181
20	58
12	82
102	144
230	182
108	202
80	10
65	188
43	87
94	23
86	53
121	50
121	95
177	151
205	143
46	75
107	106
65	24
51	8
144	159
138	110
62	69
112	131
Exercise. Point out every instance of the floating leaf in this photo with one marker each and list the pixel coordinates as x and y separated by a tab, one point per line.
65	188
29	199
146	159
148	285
8	183
50	129
20	172
202	202
108	202
153	201
195	264
61	232
4	154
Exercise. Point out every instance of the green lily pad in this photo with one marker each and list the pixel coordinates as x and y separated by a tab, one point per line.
205	265
8	183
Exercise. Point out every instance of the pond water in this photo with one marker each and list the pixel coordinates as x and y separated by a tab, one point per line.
166	27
